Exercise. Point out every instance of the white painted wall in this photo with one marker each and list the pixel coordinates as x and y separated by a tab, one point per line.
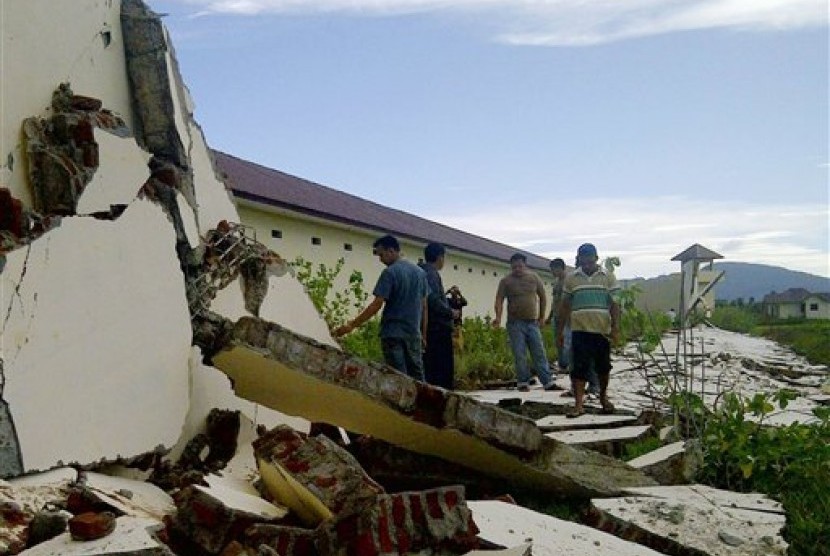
816	308
45	43
477	277
97	340
96	336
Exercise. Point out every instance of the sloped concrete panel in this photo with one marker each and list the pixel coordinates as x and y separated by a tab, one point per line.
295	375
96	339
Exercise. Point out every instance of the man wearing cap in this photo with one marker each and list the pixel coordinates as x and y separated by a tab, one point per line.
589	303
526	301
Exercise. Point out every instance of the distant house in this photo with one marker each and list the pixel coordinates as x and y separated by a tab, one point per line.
797	303
299	218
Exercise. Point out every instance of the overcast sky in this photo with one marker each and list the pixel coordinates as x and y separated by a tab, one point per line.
643	126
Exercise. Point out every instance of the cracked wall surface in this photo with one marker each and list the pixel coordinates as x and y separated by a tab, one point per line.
111	192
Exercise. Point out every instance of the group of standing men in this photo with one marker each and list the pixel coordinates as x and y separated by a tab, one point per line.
417	323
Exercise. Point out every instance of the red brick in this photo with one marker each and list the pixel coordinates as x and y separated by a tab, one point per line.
434	505
90	525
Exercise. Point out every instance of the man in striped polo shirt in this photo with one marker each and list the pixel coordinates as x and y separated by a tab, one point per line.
590	304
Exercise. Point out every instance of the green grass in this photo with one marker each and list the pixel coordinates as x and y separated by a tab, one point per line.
810	338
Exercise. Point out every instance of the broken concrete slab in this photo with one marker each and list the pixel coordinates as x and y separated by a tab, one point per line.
72	334
211	517
404	523
133	498
673	464
270	365
313	476
132	536
694	519
121	171
606	441
553	423
506	524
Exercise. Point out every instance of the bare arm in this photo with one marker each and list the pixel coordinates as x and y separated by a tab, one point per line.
543	303
366	314
498	306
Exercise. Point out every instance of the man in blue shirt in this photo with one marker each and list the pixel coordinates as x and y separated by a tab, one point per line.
401	291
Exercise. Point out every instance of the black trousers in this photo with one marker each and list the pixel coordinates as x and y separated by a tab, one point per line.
439	365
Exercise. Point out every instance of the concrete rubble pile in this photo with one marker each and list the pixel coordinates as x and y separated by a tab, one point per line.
163	376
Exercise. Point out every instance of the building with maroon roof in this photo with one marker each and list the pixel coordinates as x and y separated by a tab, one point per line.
299	218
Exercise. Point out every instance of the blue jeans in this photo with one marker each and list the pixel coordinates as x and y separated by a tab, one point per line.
405	355
525	335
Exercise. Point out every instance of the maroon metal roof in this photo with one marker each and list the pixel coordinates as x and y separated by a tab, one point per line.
253	182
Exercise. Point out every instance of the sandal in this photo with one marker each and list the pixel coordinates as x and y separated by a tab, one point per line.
574	413
607	407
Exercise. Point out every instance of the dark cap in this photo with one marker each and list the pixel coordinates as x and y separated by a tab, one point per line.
586	250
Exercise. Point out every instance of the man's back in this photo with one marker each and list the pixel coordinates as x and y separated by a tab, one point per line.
403	285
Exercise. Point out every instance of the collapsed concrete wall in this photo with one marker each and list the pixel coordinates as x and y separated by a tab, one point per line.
108	195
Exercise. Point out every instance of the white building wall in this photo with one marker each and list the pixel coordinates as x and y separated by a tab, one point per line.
47	43
477	277
96	359
816	308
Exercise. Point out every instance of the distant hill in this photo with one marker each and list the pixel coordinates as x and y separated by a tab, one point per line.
742	280
757	280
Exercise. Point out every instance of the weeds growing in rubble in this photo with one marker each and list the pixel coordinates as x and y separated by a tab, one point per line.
789	463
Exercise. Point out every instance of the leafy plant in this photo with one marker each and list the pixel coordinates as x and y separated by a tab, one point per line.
336	307
790	463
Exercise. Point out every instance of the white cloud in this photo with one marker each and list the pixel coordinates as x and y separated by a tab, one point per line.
564	22
647	233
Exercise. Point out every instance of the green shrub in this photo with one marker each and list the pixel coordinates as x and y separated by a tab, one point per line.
789	463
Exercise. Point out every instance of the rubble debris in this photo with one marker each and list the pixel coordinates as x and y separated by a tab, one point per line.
505	524
46	524
62	151
403	523
674	464
208	518
277	368
90	526
610	442
288	460
220	440
398	469
694	519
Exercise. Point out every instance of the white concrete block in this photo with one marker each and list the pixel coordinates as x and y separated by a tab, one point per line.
510	525
588	436
122	170
97	339
133	498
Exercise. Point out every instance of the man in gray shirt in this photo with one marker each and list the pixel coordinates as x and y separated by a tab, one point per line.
402	291
526	302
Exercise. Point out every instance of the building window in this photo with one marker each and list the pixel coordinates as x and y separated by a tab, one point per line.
316	241
347	246
469	269
455	267
814	306
276	234
483	272
495	273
